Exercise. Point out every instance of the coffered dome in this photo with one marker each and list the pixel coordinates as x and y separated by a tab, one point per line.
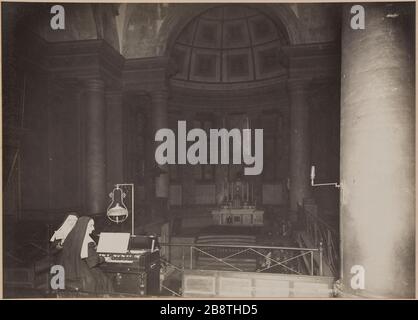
230	44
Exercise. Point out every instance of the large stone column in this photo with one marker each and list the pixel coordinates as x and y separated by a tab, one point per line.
377	201
299	143
95	133
187	181
159	121
114	145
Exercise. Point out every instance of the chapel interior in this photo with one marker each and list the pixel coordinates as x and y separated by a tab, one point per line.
81	107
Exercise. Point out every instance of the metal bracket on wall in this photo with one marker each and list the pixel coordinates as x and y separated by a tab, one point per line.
313	184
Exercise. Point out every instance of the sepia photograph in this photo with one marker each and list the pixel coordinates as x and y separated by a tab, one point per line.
215	150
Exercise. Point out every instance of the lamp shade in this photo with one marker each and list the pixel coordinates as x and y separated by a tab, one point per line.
117	213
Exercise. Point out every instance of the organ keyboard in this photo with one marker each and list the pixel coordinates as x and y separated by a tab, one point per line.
130	257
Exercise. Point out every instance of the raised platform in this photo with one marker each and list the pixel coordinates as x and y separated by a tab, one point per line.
210	284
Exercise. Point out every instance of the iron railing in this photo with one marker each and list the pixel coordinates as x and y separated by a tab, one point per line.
324	236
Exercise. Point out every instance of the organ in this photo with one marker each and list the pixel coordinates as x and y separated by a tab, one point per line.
135	270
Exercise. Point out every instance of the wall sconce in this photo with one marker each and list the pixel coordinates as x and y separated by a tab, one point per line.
313	184
117	210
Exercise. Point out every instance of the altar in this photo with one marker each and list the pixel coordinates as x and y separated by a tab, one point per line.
238	217
238	206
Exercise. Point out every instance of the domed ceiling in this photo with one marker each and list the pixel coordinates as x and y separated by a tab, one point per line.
229	44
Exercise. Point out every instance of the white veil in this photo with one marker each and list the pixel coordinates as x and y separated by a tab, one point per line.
66	227
85	246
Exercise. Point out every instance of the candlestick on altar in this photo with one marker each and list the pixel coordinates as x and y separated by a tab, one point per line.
226	191
252	193
244	187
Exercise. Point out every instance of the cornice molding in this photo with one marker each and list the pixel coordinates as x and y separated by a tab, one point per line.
312	49
87	59
271	97
199	92
224	87
149	74
95	59
315	61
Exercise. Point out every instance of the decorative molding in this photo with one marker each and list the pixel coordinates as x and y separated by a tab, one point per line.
150	74
312	49
227	86
314	61
86	59
95	59
275	96
299	85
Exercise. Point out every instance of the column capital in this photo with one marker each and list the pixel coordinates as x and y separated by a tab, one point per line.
299	85
159	94
253	113
114	95
218	114
94	84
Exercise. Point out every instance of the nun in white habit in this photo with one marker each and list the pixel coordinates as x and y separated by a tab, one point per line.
81	261
61	234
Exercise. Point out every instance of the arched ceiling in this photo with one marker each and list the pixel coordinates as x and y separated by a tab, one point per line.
230	44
